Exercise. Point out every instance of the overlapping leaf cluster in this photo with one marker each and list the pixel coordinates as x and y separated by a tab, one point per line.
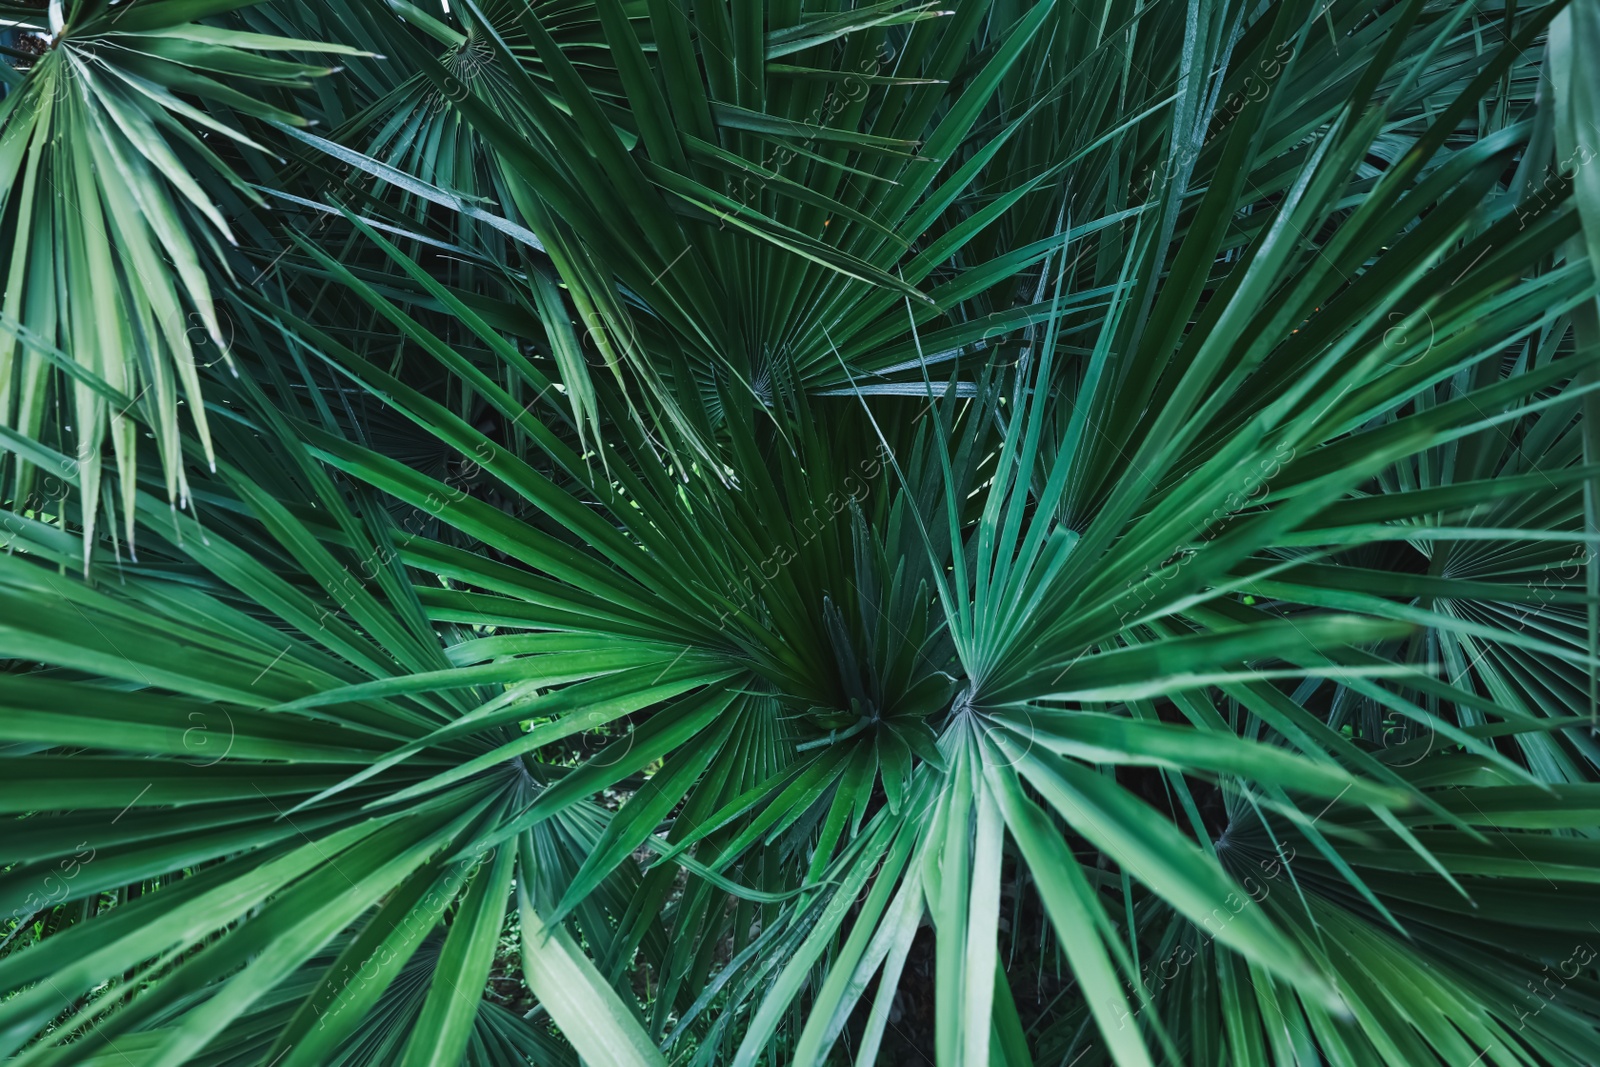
799	533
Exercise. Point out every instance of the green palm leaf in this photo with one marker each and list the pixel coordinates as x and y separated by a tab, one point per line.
751	534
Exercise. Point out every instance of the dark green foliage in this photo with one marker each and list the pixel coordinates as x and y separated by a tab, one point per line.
735	533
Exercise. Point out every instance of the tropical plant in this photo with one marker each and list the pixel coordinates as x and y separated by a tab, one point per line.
730	533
